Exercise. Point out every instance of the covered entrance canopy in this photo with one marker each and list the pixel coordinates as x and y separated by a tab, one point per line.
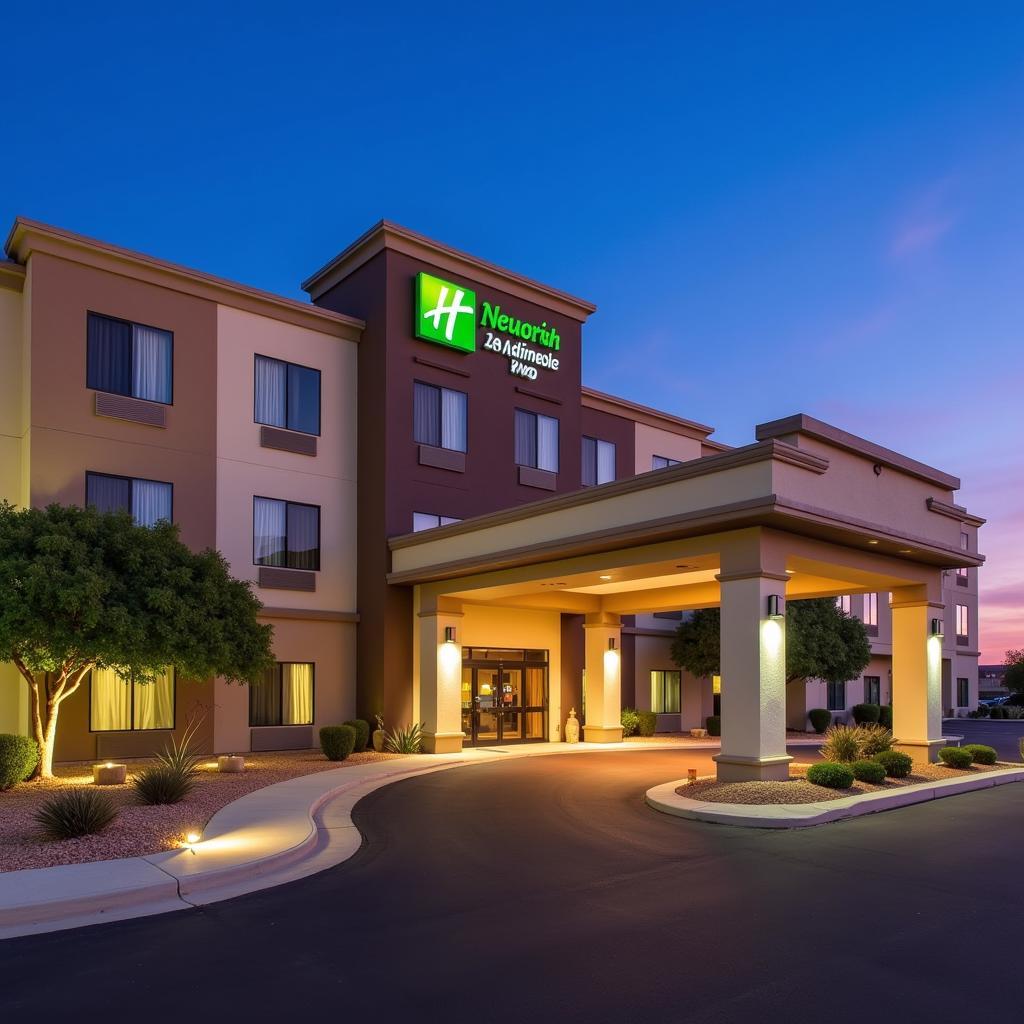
806	511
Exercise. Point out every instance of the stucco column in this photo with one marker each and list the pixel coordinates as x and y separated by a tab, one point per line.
916	673
440	681
753	679
603	679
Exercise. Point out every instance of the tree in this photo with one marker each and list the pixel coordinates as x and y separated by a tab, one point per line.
1014	678
822	642
81	589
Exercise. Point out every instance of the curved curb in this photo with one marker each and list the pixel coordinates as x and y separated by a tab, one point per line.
664	798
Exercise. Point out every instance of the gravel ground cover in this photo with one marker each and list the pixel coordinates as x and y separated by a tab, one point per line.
799	791
140	829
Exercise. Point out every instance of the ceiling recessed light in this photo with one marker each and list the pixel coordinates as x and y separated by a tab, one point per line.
906	551
872	541
606	577
791	572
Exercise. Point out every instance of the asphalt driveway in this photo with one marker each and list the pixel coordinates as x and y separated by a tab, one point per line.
543	889
1005	736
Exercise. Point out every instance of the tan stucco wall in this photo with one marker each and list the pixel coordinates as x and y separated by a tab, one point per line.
649	441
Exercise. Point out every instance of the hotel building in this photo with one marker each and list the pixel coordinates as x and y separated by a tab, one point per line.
443	524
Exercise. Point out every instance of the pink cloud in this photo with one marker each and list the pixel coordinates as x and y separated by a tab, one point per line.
919	235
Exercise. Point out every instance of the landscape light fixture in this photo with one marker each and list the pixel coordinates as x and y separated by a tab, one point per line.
449	634
190	841
936	629
775	606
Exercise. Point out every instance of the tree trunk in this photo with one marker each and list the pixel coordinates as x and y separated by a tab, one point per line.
44	731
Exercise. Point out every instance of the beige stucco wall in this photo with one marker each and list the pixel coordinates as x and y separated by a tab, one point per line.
649	441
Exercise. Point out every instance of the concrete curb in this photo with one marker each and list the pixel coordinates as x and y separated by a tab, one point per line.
664	798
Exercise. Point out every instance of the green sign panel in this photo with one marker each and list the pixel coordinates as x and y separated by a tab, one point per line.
445	313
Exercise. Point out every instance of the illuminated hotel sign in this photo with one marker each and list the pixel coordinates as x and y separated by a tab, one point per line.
446	314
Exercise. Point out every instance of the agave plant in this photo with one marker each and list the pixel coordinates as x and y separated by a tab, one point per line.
407	740
181	755
75	812
162	784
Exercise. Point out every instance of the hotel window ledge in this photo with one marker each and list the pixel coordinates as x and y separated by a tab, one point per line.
870	629
287	579
542	478
962	641
135	410
442	458
287	440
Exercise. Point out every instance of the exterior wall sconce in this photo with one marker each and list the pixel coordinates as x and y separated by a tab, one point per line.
936	628
775	607
449	634
611	643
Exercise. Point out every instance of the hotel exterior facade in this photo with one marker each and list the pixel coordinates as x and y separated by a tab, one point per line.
443	524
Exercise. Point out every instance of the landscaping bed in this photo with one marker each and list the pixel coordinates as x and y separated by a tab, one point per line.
141	829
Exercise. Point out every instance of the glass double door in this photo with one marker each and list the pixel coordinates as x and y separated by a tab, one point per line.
503	703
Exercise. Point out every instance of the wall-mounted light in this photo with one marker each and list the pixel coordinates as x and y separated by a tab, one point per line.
449	634
611	643
937	629
775	607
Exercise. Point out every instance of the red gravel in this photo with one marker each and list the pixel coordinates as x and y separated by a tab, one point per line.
140	829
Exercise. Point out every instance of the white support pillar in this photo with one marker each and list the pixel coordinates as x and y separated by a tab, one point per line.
753	679
916	673
440	680
603	684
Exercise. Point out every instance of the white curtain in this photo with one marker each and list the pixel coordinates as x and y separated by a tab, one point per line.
453	420
296	694
271	375
605	462
547	443
151	501
111	701
154	702
268	531
151	364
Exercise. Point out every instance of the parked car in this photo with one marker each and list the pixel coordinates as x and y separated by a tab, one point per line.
993	702
1015	700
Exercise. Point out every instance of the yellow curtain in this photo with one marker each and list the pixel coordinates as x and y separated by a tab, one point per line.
296	694
154	702
111	701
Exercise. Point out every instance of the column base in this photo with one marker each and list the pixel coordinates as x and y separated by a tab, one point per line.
602	734
442	742
922	751
735	768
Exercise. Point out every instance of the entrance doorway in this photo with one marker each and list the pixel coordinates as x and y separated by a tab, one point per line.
504	695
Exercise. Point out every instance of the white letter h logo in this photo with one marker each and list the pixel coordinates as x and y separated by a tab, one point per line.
451	312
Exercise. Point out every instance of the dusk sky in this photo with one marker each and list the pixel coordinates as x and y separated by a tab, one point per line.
777	208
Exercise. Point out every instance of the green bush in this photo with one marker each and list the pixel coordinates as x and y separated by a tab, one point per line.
980	753
864	713
885	716
897	765
842	743
820	718
630	720
874	739
407	740
648	723
997	712
75	812
868	771
162	784
956	757
714	725
831	775
337	741
19	756
362	729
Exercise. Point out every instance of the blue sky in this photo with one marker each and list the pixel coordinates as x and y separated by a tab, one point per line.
776	207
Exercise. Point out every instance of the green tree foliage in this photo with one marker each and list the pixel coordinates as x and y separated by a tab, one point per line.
822	642
1014	678
80	589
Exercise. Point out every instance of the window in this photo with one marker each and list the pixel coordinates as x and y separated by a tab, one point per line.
536	441
598	461
836	698
871	610
149	501
129	359
427	521
675	616
117	704
844	603
872	690
439	417
965	541
665	691
963	624
287	395
963	692
285	534
661	462
284	696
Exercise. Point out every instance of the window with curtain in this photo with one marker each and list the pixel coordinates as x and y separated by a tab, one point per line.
963	622
836	696
844	603
283	696
872	690
126	704
287	395
439	417
870	610
285	534
598	462
661	462
149	501
665	690
126	358
536	441
963	692
428	521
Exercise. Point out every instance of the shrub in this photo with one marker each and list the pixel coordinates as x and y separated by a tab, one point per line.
180	755
19	756
75	812
162	784
1020	747
337	741
648	723
408	740
981	711
874	739
897	765
362	729
630	720
820	718
864	713
1012	711
868	771
842	743
980	753
956	757
830	775
714	725
885	716
997	712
